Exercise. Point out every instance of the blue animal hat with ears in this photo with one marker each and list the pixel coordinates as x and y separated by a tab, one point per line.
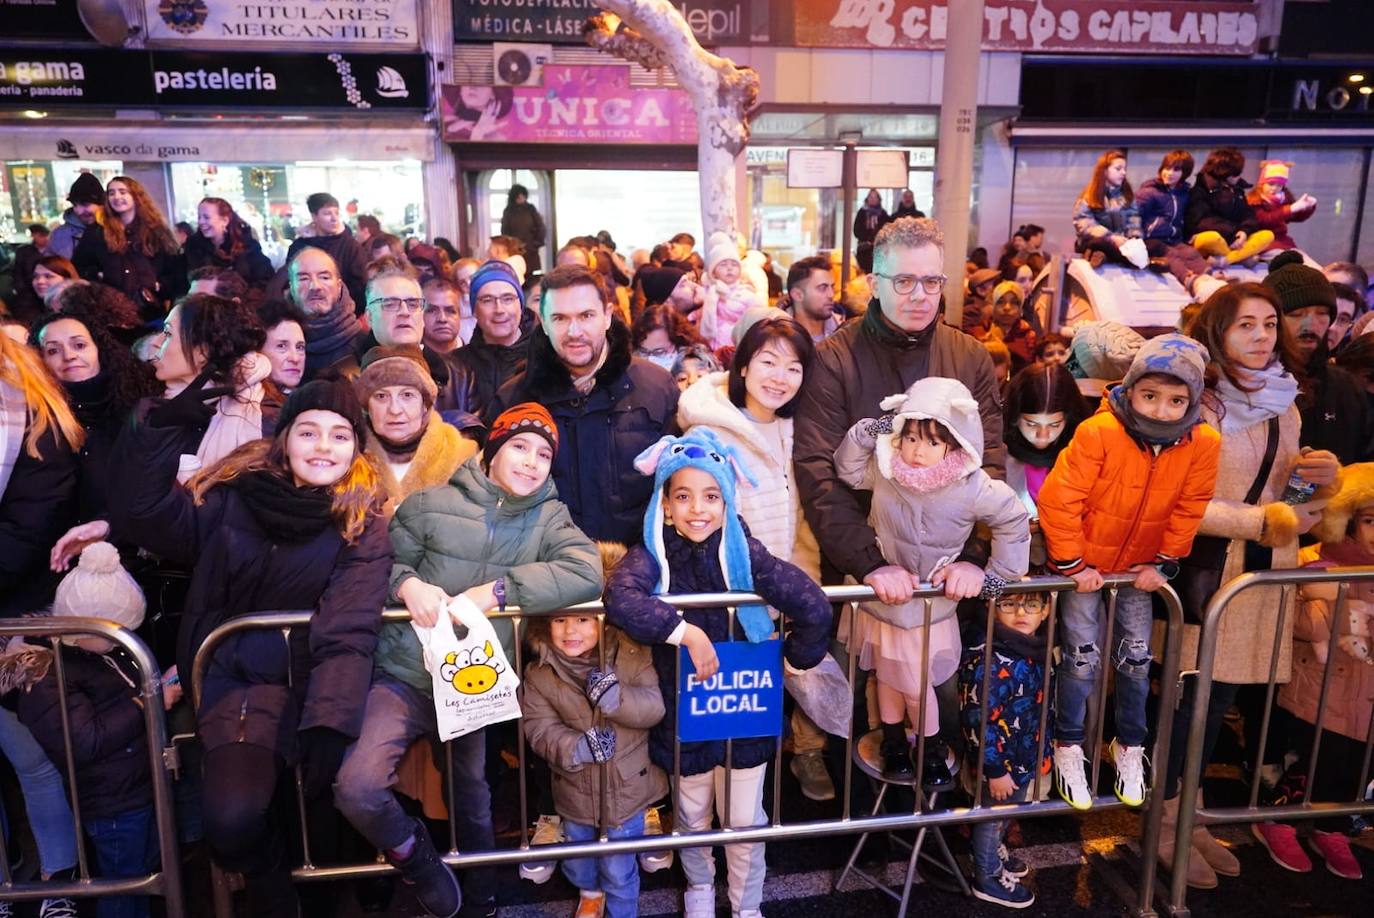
702	449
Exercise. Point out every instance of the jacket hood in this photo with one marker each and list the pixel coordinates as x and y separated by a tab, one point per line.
945	400
707	403
548	378
481	490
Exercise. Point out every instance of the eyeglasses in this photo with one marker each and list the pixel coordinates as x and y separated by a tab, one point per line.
399	304
905	284
507	300
657	352
1032	604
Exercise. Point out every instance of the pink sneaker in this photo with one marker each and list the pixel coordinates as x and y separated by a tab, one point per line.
1282	841
1335	850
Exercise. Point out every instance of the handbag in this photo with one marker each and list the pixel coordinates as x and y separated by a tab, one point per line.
1199	575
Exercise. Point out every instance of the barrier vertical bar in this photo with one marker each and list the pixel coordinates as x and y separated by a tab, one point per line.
1337	617
1279	631
520	746
983	702
60	671
777	752
1104	658
851	653
1045	687
300	785
448	804
725	822
1168	710
919	781
603	778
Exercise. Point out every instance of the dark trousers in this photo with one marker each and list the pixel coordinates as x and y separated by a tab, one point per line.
240	824
125	846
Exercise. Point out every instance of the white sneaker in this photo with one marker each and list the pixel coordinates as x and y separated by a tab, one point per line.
699	901
747	913
1130	773
654	861
1071	777
548	830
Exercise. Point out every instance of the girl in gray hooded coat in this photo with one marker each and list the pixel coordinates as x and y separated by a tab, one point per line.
923	464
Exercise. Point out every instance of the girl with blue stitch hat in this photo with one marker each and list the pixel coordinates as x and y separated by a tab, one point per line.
695	542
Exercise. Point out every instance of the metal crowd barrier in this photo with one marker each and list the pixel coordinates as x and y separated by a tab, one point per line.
166	881
1141	896
1206	660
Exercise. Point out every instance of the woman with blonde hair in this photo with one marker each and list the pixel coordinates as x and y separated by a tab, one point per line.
39	440
293	522
135	251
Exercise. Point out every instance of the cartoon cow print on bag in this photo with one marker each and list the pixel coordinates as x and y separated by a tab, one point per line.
472	672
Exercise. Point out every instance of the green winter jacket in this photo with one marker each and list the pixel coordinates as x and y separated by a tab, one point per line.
470	532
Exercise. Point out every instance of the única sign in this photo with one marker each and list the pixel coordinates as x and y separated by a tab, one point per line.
743	699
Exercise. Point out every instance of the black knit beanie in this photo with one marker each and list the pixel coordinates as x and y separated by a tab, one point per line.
334	395
1299	285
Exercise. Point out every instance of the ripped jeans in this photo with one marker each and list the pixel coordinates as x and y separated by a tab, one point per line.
1082	630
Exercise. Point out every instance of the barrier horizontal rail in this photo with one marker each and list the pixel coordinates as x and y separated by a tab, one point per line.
1188	818
775	830
166	881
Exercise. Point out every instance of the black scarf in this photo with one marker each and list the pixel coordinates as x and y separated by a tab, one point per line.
1010	641
285	512
403	450
1022	449
877	325
326	334
92	400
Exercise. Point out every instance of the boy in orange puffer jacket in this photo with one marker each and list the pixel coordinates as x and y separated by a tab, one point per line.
1127	493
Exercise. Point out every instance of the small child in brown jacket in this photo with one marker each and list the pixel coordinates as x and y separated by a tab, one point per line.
562	692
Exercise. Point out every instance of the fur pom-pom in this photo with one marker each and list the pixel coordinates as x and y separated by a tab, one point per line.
1280	525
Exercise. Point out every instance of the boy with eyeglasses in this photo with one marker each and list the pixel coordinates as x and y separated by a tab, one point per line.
1013	745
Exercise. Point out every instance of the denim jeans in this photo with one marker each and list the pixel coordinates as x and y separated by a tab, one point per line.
396	715
617	876
50	815
987	836
125	846
1082	632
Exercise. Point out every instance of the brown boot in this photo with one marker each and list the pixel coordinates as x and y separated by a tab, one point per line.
1200	875
1217	855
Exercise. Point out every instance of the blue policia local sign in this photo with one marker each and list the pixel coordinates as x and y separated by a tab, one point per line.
744	699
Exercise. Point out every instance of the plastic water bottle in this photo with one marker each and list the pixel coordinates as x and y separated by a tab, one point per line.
1299	490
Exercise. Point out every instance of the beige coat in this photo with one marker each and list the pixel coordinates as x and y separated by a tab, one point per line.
1246	637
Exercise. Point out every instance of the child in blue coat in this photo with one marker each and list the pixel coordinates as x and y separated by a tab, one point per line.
694	542
1012	754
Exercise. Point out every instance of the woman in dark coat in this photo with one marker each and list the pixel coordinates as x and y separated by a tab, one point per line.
870	218
133	250
38	439
224	240
1219	221
288	523
521	220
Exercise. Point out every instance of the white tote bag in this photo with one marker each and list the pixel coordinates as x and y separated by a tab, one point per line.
474	683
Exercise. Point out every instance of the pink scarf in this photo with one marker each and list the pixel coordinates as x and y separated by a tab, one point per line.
923	481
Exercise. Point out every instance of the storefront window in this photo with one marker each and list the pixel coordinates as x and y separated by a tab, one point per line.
35	191
659	205
271	197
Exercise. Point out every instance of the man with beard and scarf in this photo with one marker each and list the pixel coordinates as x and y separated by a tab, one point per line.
1337	418
395	313
608	405
326	309
501	342
900	340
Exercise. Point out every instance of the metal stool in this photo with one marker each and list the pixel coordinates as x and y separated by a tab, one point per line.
868	758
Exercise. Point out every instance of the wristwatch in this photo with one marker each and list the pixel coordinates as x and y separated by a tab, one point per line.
1168	567
498	589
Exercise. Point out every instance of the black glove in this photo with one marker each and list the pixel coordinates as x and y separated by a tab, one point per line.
322	752
188	408
603	689
875	427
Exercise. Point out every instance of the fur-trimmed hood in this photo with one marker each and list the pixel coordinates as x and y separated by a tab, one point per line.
547	378
1354	489
441	452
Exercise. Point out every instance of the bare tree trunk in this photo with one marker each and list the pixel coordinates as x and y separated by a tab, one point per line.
653	33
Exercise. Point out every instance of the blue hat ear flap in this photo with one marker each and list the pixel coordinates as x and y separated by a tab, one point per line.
648	462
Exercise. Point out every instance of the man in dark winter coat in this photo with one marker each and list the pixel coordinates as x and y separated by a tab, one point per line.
501	342
395	312
900	340
332	235
1338	417
609	405
328	317
521	220
87	198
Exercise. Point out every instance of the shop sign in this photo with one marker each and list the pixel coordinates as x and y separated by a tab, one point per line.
42	19
42	78
1332	93
813	168
326	24
714	22
593	104
743	699
881	169
162	143
1135	27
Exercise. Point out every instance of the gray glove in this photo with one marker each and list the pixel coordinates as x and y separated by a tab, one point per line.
597	745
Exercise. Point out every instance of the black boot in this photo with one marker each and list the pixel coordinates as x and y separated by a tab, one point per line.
936	777
434	883
896	753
